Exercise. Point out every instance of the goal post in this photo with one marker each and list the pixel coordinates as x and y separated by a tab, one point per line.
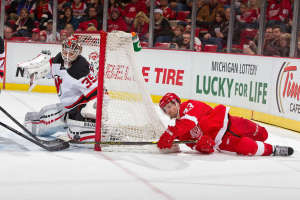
102	56
125	111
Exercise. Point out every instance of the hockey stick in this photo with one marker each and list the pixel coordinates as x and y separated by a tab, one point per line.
130	143
55	147
51	143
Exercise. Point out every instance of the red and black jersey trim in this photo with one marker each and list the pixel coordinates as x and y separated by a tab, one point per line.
83	99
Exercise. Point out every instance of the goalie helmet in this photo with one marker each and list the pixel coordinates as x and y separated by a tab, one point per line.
71	49
167	98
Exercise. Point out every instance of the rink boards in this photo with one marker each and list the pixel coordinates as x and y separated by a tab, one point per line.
261	88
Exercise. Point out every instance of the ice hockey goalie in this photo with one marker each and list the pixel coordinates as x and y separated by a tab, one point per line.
76	88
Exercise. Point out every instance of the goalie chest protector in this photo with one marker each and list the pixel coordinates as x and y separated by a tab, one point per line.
75	85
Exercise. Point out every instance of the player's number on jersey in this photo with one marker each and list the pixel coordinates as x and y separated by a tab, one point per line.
89	80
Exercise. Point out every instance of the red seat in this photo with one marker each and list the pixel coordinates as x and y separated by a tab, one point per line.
163	45
144	44
210	48
182	15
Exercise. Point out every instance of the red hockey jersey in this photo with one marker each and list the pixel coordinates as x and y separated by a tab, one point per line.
197	119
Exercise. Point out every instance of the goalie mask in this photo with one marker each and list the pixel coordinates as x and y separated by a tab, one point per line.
71	49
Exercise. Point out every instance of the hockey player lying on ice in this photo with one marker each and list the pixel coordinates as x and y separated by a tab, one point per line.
76	88
215	129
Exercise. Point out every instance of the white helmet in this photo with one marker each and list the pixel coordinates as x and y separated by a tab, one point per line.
71	49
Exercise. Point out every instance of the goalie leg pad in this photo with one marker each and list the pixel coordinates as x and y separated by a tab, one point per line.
49	120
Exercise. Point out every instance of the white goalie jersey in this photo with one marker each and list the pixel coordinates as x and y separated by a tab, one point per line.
75	85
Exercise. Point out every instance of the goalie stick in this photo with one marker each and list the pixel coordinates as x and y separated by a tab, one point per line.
50	145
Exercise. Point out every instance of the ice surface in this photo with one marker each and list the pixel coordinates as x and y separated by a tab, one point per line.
28	172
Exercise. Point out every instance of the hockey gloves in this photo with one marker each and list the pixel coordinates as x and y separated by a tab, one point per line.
165	140
205	145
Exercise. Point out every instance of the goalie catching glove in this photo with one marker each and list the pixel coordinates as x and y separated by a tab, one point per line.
37	68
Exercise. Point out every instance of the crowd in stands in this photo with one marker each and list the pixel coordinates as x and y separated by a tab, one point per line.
31	20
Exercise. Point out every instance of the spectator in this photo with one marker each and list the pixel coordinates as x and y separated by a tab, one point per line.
271	45
247	18
186	41
43	36
132	9
90	18
140	25
114	4
202	14
62	4
284	44
24	24
177	38
225	28
214	7
8	32
174	5
162	29
184	44
216	32
78	7
189	5
25	4
67	19
70	30
116	22
35	35
277	32
251	47
49	31
278	13
63	35
99	8
167	11
41	7
182	5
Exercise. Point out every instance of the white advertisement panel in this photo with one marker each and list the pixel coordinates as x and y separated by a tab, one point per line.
166	71
235	80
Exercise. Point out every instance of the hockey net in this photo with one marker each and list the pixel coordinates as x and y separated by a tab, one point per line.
127	113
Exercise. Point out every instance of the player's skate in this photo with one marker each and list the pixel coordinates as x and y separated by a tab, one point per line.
282	151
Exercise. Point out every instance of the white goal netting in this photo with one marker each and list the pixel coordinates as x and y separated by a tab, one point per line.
128	113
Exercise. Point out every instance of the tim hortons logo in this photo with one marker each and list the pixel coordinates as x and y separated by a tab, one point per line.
288	89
